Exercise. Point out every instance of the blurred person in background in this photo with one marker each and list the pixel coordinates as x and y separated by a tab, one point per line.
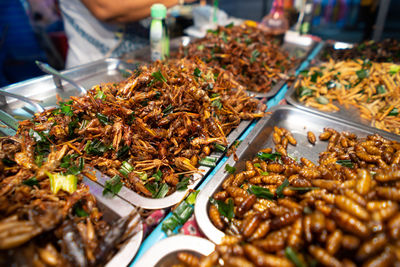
105	28
368	12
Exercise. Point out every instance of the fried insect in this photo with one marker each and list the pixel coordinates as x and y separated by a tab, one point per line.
326	211
311	137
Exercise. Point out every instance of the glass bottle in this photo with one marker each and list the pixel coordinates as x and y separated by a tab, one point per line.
275	22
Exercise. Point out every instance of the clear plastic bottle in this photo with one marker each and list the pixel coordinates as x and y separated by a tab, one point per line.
275	22
159	37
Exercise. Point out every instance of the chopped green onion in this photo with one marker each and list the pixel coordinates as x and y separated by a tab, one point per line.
162	191
182	185
265	173
254	54
361	74
208	162
394	112
169	109
191	199
380	89
79	211
260	192
103	118
322	100
293	257
230	169
197	72
123	152
170	224
270	156
216	103
304	91
126	168
31	181
394	69
100	95
220	147
113	186
257	165
157	176
279	190
345	163
225	209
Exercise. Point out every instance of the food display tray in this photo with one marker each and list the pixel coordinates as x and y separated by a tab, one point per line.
299	51
164	253
44	89
298	122
114	209
348	113
335	45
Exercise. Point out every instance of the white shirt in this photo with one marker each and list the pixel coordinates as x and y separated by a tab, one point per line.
90	39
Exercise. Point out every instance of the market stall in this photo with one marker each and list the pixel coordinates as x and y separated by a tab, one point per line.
130	160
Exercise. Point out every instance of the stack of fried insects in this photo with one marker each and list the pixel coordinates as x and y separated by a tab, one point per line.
48	217
152	129
251	56
281	211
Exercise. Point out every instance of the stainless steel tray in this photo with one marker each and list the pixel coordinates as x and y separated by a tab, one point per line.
168	201
300	51
335	45
113	209
295	120
164	253
46	88
107	70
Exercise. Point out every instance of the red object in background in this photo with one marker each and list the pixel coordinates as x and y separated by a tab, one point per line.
60	41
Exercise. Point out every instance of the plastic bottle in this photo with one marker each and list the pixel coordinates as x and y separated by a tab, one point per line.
159	37
275	22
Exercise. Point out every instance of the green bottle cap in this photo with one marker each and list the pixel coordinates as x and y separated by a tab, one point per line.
158	11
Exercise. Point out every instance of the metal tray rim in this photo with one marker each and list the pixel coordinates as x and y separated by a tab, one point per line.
174	244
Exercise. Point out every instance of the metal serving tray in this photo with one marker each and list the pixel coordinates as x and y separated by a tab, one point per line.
168	201
300	51
335	45
299	122
107	70
349	113
113	209
46	88
164	253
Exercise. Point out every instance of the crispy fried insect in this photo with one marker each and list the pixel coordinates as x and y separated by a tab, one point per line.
275	167
276	138
372	246
325	135
385	213
273	179
394	226
323	257
310	173
350	206
334	242
350	242
350	223
249	166
387	192
247	203
209	260
263	259
367	157
294	239
350	174
317	222
307	228
250	224
228	181
384	259
221	195
236	191
364	181
281	150
215	217
350	193
323	207
393	174
241	176
308	163
329	185
284	142
311	137
236	261
261	231
188	258
291	139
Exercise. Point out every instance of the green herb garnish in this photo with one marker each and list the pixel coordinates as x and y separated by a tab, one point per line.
230	169
157	176
183	185
31	181
254	55
113	186
361	74
197	72
270	156
345	163
279	190
322	100
394	112
260	192
126	168
291	254
225	209
158	76
103	118
304	91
